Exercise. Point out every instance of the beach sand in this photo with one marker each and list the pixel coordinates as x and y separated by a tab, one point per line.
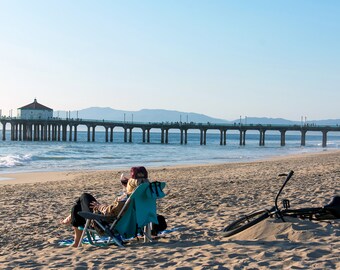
202	200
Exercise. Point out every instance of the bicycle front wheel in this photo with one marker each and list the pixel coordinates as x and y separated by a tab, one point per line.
246	222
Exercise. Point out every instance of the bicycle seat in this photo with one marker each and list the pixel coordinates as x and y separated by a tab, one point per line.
334	206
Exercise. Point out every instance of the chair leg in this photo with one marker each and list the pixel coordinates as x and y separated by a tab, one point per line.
147	233
84	231
116	241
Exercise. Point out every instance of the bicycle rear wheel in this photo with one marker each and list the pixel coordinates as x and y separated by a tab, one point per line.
309	213
246	222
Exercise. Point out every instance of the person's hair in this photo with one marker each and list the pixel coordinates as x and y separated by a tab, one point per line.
138	172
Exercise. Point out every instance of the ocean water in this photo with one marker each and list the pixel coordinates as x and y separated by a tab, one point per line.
39	156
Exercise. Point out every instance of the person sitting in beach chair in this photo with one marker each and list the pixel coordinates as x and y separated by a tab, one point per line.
135	218
86	202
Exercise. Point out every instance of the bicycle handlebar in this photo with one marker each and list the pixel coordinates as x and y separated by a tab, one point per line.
287	174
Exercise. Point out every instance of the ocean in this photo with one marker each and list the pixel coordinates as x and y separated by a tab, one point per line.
39	156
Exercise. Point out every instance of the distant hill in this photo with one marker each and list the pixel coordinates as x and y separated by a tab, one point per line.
145	115
159	115
266	120
281	121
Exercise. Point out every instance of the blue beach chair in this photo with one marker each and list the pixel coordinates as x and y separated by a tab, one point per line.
135	218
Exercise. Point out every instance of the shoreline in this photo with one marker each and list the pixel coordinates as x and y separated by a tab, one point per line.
47	176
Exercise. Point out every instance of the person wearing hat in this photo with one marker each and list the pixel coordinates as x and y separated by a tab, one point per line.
86	202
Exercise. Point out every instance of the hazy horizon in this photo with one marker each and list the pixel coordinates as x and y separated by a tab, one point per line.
75	112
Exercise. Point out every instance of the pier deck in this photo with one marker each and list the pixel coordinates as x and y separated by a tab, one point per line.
57	129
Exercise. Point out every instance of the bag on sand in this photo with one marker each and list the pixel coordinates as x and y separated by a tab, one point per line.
161	226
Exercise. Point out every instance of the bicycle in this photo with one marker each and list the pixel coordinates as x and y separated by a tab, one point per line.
328	212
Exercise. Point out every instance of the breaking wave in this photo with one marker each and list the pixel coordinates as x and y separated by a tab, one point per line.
14	160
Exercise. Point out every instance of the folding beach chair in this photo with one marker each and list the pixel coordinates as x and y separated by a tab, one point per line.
135	218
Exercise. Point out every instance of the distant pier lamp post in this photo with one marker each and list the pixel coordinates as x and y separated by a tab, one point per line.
187	119
245	120
240	119
124	118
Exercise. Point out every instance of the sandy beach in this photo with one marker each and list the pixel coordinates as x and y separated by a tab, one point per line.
202	200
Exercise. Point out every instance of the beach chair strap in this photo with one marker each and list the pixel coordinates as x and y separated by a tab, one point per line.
156	189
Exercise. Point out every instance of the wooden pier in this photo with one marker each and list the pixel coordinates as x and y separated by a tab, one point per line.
57	129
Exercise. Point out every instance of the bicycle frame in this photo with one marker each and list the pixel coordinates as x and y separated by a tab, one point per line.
277	210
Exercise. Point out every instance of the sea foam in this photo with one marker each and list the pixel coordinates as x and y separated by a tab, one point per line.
14	160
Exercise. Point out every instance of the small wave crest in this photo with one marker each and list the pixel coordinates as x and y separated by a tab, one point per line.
14	160
329	145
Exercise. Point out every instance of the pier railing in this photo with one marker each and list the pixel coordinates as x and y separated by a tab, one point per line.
63	129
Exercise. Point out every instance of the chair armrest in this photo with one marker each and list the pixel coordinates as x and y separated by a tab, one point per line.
98	217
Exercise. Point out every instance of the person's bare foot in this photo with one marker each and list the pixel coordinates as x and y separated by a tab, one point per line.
66	221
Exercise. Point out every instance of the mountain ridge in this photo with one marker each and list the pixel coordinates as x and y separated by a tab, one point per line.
162	115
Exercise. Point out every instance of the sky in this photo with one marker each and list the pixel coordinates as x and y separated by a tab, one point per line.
221	58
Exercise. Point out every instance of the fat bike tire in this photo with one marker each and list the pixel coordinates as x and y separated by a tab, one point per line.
319	214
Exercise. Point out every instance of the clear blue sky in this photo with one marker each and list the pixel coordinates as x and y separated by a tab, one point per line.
220	58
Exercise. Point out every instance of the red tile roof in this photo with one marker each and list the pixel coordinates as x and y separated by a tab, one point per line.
35	106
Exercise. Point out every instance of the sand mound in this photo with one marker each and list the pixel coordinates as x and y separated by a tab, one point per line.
294	230
294	244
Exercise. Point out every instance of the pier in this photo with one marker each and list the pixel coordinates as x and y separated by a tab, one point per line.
57	129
